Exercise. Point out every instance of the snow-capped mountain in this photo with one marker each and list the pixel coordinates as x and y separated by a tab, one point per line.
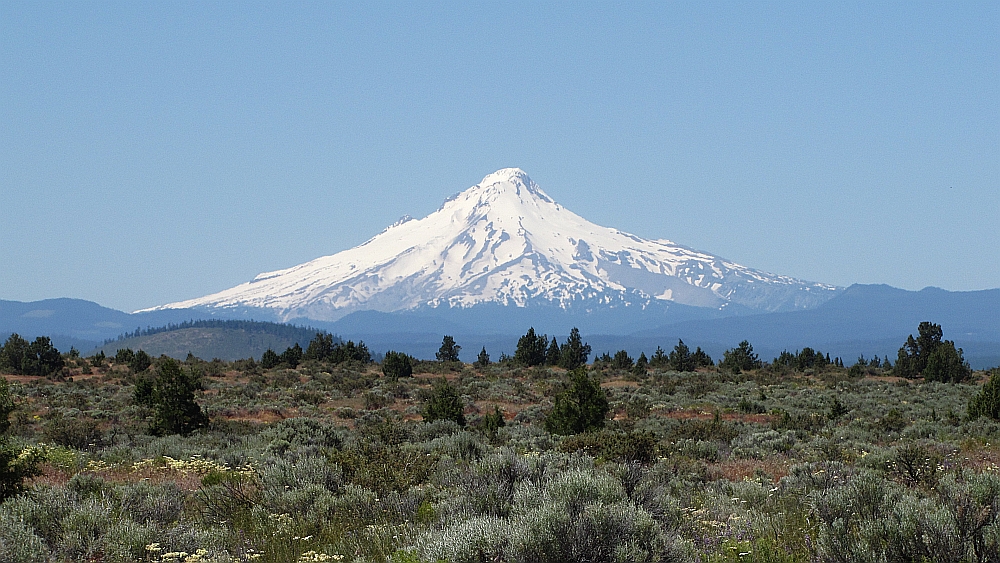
504	241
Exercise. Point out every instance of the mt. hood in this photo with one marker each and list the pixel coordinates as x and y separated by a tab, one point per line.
505	242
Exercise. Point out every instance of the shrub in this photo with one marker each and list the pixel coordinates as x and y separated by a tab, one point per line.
72	432
384	468
632	446
19	543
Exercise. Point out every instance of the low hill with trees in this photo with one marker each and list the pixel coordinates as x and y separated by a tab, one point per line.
226	340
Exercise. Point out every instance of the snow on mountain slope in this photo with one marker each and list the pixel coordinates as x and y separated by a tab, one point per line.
505	241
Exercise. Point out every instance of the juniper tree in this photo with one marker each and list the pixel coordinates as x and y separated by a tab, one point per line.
741	358
581	407
553	354
448	351
574	352
170	393
444	403
987	401
396	365
16	464
531	349
270	359
483	359
680	358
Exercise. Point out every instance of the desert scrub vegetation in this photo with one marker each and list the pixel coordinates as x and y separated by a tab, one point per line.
329	456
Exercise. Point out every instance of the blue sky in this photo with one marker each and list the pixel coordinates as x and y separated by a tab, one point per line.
157	151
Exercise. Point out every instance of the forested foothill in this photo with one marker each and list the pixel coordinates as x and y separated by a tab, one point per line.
554	454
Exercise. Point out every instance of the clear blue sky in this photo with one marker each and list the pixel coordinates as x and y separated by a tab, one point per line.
157	151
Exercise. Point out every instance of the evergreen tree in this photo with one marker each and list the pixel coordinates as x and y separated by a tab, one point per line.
16	464
931	357
444	403
680	358
741	358
987	401
947	364
140	362
171	395
531	349
641	364
320	348
13	353
292	355
621	360
552	355
350	352
396	365
580	408
701	359
492	422
574	352
40	357
483	360
124	357
659	359
270	359
448	351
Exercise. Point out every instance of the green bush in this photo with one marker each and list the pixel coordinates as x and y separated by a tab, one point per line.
444	404
171	395
396	365
580	408
987	401
16	464
638	447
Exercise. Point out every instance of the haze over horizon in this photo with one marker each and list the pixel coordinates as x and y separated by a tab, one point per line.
156	153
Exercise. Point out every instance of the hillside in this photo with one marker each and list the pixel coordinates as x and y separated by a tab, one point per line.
226	340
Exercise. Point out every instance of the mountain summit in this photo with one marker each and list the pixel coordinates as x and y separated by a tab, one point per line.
505	241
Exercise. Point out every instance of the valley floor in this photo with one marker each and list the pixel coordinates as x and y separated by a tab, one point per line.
332	462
